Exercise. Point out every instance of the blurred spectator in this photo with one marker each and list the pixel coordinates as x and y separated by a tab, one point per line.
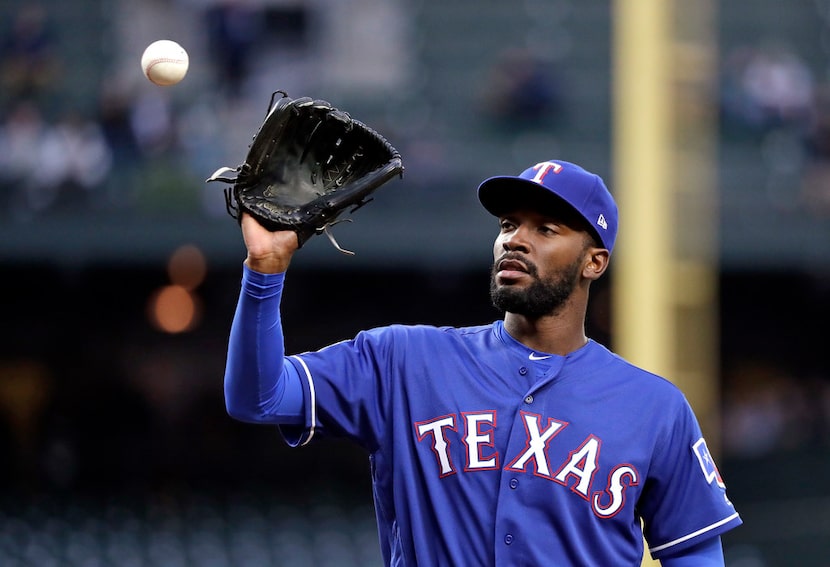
521	91
152	121
234	28
765	88
817	135
115	105
816	183
74	161
29	60
47	165
21	136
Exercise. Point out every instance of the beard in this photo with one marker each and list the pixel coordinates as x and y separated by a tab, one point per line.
543	297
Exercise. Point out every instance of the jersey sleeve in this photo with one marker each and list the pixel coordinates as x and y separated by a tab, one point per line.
347	386
684	502
259	386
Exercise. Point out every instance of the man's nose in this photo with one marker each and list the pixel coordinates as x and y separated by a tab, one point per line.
516	240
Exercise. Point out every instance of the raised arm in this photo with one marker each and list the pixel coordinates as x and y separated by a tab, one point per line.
259	386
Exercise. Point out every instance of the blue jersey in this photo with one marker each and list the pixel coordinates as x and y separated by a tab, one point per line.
485	452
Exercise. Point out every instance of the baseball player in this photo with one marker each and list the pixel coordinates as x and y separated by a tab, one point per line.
520	442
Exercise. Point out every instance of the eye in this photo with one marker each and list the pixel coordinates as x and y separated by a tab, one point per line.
506	225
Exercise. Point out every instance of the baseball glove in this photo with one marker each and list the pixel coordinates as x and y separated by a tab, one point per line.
306	165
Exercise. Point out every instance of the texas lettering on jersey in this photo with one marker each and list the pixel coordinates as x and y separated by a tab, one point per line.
477	430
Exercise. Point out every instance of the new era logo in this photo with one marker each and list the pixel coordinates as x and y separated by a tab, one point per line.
602	222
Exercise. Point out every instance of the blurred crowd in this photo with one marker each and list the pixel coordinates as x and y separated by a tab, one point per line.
56	157
126	148
130	147
770	95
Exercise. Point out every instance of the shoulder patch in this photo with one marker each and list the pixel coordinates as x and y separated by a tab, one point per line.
707	463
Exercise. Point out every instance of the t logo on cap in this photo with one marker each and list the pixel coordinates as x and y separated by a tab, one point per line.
544	168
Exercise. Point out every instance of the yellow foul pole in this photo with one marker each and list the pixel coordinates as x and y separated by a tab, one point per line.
643	165
664	269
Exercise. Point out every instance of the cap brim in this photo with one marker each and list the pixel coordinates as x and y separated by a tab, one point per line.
505	194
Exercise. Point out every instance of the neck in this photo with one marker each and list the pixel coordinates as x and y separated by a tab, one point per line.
550	334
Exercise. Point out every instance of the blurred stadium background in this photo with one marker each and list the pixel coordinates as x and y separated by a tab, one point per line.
120	266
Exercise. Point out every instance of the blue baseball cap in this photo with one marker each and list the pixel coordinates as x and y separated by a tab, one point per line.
550	183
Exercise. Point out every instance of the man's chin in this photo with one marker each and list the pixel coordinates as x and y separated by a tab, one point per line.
507	297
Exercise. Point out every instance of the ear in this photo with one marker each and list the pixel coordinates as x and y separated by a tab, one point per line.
596	262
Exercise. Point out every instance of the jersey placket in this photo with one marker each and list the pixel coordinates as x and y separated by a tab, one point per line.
527	442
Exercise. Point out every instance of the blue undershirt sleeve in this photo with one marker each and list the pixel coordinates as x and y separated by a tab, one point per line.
259	386
708	553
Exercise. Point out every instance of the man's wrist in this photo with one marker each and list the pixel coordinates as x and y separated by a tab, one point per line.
267	264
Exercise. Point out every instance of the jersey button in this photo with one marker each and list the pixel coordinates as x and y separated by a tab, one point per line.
514	483
522	370
508	539
529	400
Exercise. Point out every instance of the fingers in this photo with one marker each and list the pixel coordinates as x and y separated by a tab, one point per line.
252	227
270	251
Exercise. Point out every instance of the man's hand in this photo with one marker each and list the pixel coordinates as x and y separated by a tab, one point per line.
268	252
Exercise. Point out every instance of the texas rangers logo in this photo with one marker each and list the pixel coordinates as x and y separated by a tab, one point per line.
542	169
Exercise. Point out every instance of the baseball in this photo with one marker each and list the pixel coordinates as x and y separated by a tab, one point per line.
165	62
